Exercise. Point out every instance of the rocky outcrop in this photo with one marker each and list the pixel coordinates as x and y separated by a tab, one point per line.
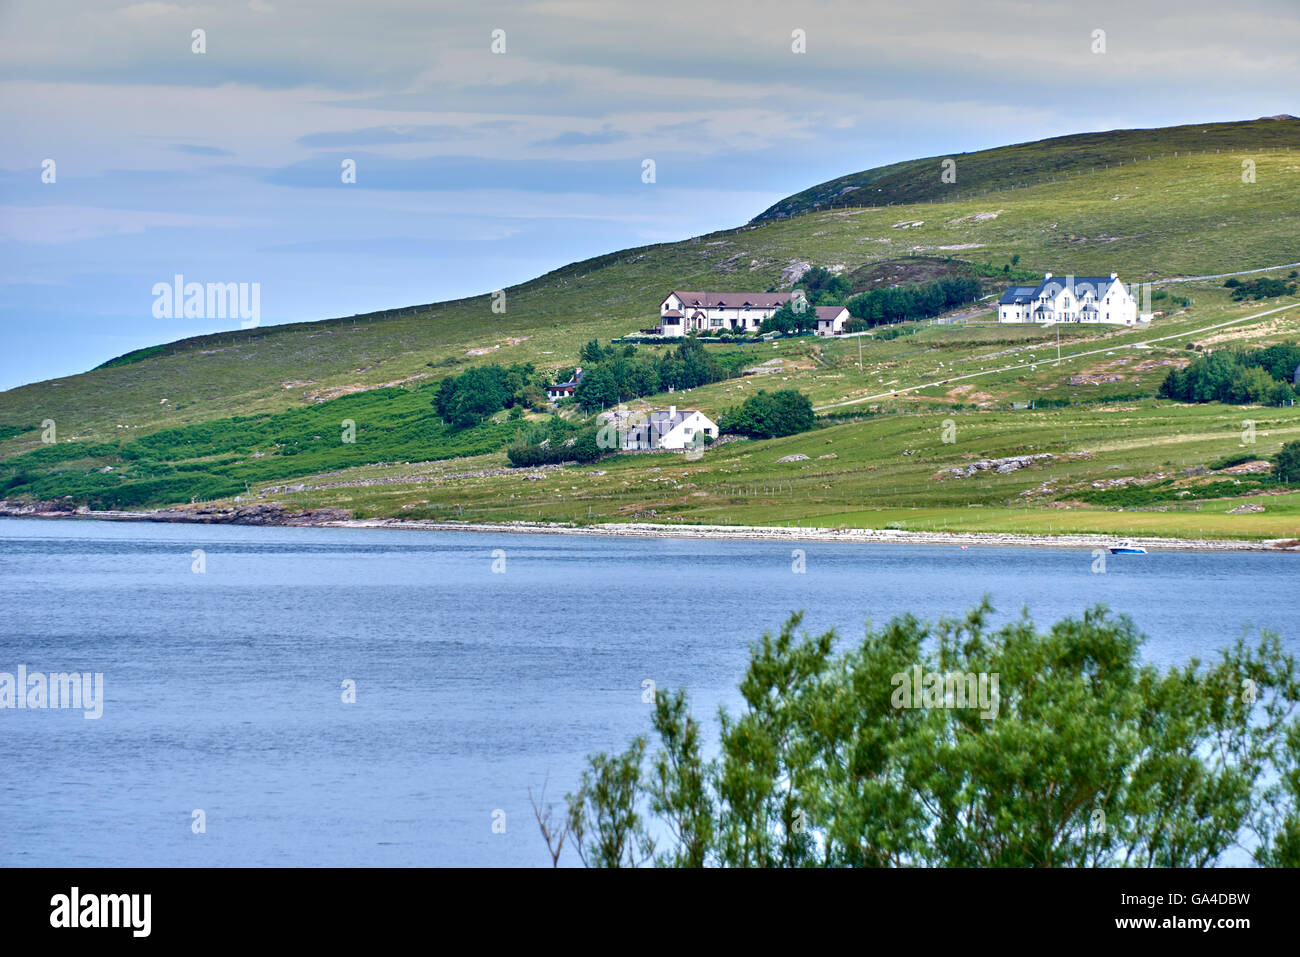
1010	464
262	513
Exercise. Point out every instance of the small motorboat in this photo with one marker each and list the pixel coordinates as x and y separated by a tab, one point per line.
1127	548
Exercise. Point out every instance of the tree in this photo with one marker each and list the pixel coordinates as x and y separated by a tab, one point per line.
1286	464
678	785
598	388
1237	376
591	353
603	820
791	316
768	415
466	400
1028	748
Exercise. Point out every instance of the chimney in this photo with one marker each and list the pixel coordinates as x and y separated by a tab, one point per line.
672	412
1114	275
1047	276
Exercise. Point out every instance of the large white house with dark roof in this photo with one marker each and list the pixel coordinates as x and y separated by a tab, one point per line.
670	428
682	313
1101	299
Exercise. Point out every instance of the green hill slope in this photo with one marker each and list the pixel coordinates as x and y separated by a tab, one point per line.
1027	164
260	406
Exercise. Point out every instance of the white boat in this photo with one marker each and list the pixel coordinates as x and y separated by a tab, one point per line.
1127	548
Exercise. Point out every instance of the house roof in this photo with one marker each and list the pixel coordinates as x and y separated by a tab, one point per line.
756	300
1083	285
1051	287
1017	295
571	384
829	312
660	422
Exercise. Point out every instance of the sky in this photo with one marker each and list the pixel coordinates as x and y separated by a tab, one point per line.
494	141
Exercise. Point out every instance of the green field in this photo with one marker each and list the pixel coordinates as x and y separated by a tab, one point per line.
240	412
884	474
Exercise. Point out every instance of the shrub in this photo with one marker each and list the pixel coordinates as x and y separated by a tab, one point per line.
769	415
1286	464
468	399
1263	288
838	757
921	301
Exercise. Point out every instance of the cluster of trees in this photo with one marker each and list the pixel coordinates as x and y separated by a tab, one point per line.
1260	288
552	441
621	374
1085	756
476	394
820	287
793	316
920	301
769	415
1236	376
1286	464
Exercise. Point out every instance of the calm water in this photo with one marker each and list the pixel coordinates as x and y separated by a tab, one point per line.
223	689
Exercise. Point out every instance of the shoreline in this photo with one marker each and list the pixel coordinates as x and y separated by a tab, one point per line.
273	516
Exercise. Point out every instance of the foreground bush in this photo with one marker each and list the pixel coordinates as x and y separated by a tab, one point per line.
1078	755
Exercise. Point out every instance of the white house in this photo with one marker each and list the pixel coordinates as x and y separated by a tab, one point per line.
705	312
671	429
831	320
716	312
564	390
1098	299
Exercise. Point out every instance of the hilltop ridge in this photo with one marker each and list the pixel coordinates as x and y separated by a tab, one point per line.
1031	163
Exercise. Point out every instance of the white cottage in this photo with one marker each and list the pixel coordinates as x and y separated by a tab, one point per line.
671	429
1098	299
831	320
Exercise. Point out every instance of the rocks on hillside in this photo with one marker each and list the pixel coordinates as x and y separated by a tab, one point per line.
265	513
797	457
1001	466
794	272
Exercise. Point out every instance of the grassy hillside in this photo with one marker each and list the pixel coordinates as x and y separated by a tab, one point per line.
251	412
886	472
1027	164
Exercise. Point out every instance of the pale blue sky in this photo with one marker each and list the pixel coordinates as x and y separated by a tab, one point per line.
478	170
